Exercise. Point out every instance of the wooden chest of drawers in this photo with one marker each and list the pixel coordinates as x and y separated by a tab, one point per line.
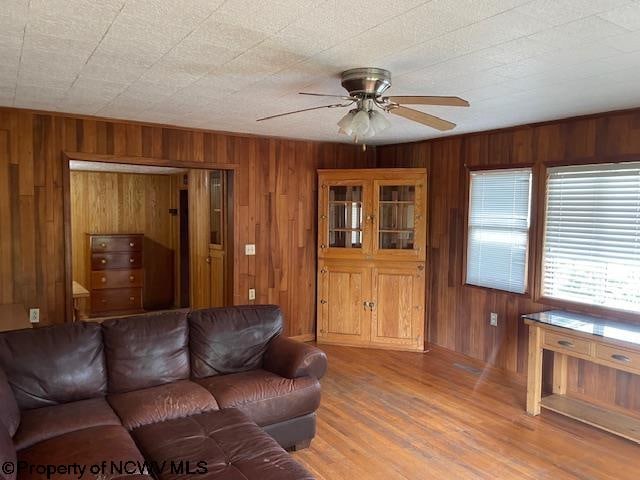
116	273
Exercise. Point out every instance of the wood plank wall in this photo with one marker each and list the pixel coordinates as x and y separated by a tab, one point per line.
104	202
275	203
459	315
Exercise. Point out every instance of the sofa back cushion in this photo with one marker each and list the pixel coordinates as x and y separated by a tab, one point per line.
233	339
9	411
52	365
146	350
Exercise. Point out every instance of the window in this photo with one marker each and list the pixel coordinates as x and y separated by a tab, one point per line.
498	233
592	237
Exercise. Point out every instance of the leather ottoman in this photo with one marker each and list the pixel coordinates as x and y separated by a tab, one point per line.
220	445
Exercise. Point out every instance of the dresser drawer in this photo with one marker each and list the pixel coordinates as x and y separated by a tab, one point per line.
116	279
112	243
116	299
618	356
560	342
108	261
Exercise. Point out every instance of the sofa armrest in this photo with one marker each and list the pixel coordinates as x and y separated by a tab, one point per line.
291	359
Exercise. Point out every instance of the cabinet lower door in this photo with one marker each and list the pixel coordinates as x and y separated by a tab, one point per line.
343	316
398	311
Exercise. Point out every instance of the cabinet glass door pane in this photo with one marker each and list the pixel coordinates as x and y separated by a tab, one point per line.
345	216
396	228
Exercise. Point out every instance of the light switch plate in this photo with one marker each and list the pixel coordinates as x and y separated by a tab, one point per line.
250	249
252	294
34	315
493	319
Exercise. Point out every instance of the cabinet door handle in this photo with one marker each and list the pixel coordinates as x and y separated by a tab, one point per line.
131	278
372	306
131	260
565	343
365	304
131	244
103	279
132	298
621	358
323	302
103	261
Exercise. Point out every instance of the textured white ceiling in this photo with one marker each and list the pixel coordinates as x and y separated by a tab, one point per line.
82	166
222	64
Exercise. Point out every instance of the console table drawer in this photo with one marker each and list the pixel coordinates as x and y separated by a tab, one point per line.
567	343
619	356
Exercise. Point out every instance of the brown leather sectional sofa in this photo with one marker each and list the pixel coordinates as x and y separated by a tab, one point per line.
206	392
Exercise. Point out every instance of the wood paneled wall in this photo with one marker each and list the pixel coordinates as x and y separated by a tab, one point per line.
459	315
103	202
275	203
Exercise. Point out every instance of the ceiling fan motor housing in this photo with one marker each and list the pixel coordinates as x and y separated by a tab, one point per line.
366	82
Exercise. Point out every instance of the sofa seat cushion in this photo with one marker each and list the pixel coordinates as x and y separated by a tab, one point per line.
264	396
164	402
47	422
222	445
91	446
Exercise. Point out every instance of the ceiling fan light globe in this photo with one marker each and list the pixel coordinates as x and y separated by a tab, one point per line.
345	124
378	121
360	123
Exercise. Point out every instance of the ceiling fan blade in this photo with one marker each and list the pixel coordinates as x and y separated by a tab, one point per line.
335	105
424	100
424	118
344	97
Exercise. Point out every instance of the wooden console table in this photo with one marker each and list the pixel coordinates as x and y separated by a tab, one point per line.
614	344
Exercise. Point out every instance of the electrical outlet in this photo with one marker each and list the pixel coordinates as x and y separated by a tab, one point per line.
250	249
493	319
34	315
252	294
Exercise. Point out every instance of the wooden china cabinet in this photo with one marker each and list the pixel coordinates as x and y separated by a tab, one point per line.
372	226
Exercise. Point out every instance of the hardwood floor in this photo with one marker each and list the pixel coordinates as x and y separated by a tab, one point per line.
400	415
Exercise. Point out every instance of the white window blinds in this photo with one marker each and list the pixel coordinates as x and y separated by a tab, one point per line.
498	233
592	235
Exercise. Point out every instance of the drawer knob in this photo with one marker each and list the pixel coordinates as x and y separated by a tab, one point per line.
131	244
565	343
131	278
621	358
132	298
323	302
103	245
103	279
103	261
131	260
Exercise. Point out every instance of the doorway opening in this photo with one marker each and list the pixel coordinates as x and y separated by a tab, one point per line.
136	237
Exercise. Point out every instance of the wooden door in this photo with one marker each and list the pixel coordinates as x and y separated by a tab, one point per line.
199	237
343	229
217	276
399	225
343	295
397	315
218	236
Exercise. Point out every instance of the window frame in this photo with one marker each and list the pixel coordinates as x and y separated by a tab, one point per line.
541	220
530	277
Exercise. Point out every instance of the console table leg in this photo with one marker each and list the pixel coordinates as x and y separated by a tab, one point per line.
559	373
534	375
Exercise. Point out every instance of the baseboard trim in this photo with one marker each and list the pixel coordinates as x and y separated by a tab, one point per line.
307	337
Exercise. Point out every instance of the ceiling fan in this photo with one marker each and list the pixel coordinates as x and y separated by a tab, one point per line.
366	87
